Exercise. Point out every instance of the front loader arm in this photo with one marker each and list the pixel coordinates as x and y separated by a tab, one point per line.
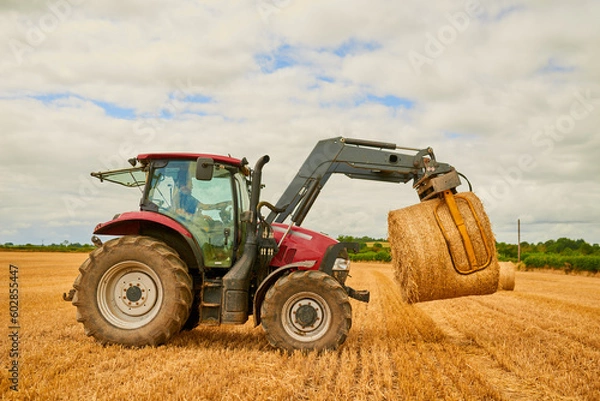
361	159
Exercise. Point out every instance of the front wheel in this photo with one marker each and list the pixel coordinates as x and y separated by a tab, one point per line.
134	291
306	310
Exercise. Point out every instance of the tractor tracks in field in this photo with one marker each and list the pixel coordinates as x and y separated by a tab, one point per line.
579	323
509	384
506	346
555	321
376	372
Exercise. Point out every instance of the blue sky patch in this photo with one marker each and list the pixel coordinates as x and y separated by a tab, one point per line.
51	97
282	57
286	55
195	113
111	109
555	66
190	98
390	101
319	80
353	46
325	79
124	113
197	99
165	114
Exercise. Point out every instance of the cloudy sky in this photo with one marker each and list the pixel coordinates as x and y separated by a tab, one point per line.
508	92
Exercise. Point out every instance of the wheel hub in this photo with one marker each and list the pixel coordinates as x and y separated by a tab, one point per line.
135	293
306	315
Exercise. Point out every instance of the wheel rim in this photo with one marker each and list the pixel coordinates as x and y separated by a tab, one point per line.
130	294
306	316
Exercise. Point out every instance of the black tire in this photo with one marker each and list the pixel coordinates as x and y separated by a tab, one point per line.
308	311
194	319
133	291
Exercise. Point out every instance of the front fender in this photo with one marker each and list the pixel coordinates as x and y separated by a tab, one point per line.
259	296
326	266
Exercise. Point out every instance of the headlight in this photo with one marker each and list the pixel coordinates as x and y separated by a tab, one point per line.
341	269
341	264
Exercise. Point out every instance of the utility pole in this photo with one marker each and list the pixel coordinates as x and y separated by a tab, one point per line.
519	240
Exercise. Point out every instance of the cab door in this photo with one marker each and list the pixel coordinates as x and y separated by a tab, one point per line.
207	208
214	221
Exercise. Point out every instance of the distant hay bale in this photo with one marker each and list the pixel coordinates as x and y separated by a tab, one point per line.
429	264
506	281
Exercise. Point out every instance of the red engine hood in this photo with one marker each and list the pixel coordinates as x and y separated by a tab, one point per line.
300	245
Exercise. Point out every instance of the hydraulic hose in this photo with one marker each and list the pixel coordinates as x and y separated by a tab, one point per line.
468	182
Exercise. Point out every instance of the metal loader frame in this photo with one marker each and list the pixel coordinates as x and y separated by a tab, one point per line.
361	159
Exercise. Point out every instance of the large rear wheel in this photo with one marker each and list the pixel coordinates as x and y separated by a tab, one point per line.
134	291
306	310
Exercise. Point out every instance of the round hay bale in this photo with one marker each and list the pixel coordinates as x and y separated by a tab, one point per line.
428	255
506	281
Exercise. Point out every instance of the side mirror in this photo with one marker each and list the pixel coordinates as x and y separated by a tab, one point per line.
204	168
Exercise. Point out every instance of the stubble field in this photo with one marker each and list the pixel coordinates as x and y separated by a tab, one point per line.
538	342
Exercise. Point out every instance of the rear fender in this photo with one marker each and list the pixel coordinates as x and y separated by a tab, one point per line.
130	223
158	226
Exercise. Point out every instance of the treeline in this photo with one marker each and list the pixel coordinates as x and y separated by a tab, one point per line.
564	253
561	246
64	246
370	249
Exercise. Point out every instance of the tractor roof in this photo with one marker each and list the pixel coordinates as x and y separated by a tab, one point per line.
189	156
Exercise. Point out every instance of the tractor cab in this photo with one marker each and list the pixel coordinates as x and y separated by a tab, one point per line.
209	200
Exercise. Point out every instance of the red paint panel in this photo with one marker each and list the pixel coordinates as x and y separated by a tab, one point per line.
129	224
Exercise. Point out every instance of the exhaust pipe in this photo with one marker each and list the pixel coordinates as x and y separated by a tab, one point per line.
237	281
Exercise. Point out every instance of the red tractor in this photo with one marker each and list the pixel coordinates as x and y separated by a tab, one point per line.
199	250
